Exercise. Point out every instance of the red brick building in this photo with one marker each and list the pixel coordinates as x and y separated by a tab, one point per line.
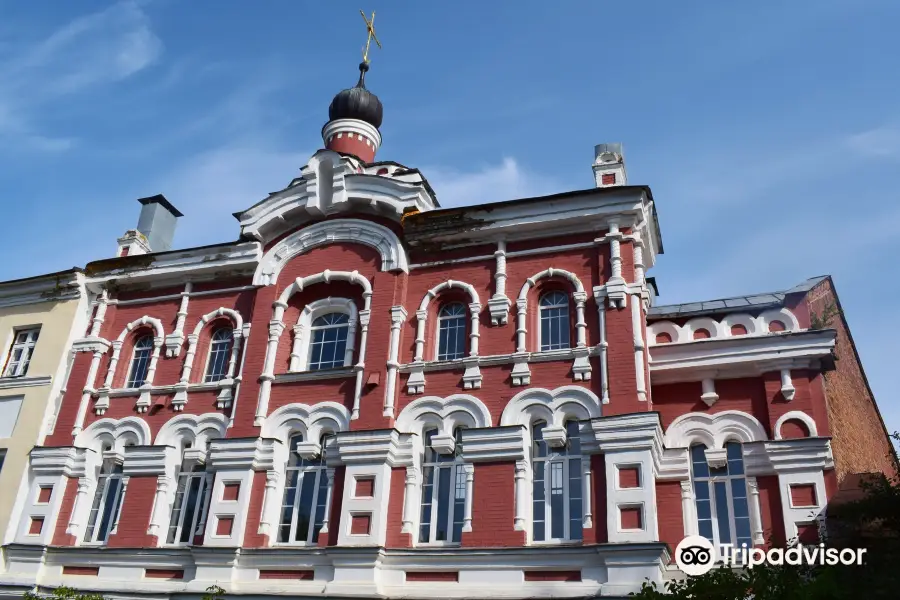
366	395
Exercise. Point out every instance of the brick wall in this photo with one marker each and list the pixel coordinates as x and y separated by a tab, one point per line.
493	507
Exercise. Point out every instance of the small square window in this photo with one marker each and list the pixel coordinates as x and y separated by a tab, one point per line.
608	179
44	494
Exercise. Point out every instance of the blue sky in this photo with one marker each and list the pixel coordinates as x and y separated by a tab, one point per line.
769	131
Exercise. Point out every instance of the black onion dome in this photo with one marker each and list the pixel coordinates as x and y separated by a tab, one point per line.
357	103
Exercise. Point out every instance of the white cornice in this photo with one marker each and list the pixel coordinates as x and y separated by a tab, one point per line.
488	444
57	287
788	456
11	383
372	447
242	453
196	263
332	184
60	460
739	356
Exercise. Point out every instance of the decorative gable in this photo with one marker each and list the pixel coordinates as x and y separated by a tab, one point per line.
330	184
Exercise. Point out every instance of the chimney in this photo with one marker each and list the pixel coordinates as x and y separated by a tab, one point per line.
609	165
155	229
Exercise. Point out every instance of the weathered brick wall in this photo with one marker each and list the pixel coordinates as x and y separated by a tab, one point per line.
859	438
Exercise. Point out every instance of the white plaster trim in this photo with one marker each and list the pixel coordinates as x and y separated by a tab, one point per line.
755	326
458	410
196	429
379	237
303	330
337	126
11	383
310	421
714	430
127	430
800	416
553	406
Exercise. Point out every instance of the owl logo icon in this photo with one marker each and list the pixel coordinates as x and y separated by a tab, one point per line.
695	555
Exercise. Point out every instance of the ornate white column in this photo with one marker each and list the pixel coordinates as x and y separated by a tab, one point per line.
523	497
521	329
364	316
637	324
329	482
587	520
687	508
74	526
276	327
421	318
143	403
160	505
100	314
470	479
410	502
580	325
755	516
499	302
600	299
638	246
615	250
398	316
86	393
297	347
270	506
175	339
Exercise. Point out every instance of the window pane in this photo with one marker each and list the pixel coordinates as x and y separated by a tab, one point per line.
110	506
219	350
557	501
427	491
722	516
442	527
190	509
698	461
735	458
459	503
304	507
321	501
554	317
738	488
329	341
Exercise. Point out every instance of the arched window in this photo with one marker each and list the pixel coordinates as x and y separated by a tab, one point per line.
191	504
443	493
452	331
107	503
328	343
305	496
554	311
723	513
219	349
140	362
556	495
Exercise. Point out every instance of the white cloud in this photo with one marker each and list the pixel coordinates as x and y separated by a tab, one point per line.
93	50
491	183
213	185
880	142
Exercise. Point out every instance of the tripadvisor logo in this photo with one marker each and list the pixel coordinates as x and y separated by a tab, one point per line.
696	555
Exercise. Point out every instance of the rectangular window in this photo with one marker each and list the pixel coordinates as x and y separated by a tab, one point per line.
20	353
443	504
9	415
720	492
189	508
106	507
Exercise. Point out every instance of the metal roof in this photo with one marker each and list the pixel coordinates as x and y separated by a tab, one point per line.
735	304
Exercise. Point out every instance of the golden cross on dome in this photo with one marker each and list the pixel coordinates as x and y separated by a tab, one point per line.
370	27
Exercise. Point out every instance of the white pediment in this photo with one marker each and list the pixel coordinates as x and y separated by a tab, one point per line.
332	184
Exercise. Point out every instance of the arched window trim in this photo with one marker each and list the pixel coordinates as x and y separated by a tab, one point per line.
422	317
556	473
141	355
441	320
729	490
578	296
567	344
295	478
226	336
303	330
447	457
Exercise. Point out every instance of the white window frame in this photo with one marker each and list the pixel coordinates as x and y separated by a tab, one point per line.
458	477
464	317
95	519
320	472
540	324
202	506
301	352
313	329
710	482
20	368
548	516
228	341
130	382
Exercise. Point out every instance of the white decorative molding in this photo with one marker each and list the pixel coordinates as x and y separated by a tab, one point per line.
11	383
498	305
143	403
117	432
743	356
495	444
225	385
175	340
57	287
198	430
353	126
615	288
472	377
333	184
458	410
393	254
713	430
303	328
755	326
797	415
398	317
553	406
311	421
581	367
276	328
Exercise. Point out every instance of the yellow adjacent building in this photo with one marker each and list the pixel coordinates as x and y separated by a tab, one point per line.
39	318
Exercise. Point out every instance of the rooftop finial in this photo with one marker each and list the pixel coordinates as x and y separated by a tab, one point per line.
370	28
